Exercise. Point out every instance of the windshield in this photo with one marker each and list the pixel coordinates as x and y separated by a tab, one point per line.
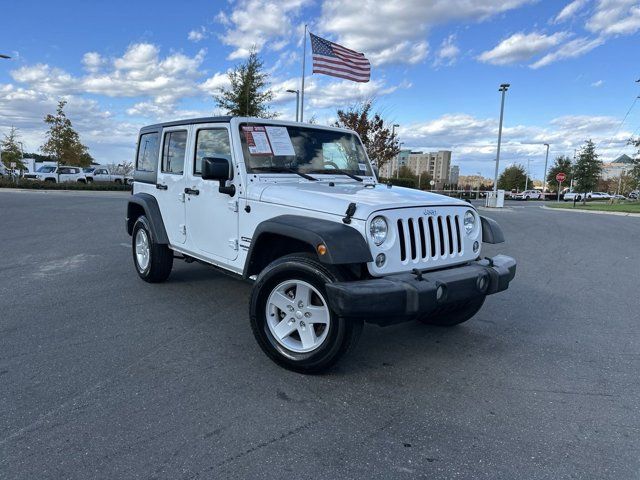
302	149
47	169
88	169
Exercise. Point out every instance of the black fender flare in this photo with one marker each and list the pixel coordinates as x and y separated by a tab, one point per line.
491	231
345	245
149	205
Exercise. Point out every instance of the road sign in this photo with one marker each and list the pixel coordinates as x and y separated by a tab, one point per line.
560	177
12	165
432	183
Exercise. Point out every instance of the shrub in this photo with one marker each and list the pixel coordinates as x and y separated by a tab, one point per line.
37	185
401	182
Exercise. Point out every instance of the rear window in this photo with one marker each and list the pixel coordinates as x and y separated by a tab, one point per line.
147	152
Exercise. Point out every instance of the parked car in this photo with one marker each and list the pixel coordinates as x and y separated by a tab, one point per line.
528	195
598	196
61	174
297	209
634	195
102	174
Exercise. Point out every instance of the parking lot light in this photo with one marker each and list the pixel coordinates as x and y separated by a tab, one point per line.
503	88
544	179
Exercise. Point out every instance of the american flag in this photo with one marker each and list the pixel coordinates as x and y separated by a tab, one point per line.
335	60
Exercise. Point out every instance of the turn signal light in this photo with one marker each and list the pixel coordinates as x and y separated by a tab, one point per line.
322	249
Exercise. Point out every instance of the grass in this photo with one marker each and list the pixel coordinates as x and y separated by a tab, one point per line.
626	207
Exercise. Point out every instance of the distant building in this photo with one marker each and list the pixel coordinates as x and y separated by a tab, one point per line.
389	168
436	164
620	166
454	175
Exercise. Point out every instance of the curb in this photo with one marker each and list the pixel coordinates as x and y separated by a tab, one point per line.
597	212
493	209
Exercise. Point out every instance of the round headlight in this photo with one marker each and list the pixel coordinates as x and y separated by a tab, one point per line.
378	230
469	222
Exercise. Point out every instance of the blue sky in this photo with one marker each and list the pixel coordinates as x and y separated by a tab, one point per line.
436	67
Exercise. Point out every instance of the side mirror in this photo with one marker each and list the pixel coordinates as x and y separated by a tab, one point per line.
218	168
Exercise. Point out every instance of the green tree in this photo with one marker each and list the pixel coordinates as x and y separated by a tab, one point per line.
248	95
63	142
587	169
11	151
561	165
513	177
635	171
378	139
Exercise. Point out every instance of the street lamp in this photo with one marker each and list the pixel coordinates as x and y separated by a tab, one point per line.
297	92
526	177
544	180
398	160
4	56
503	88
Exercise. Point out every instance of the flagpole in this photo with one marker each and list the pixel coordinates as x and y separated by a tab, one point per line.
304	58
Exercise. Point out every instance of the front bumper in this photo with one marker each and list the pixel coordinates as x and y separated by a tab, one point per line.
405	296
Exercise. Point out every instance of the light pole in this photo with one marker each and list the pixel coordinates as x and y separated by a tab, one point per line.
544	180
297	92
393	136
526	179
398	161
4	56
479	181
503	88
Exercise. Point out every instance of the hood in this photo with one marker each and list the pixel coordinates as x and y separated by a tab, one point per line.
321	197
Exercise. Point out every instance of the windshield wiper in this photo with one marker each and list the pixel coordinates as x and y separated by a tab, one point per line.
338	170
284	170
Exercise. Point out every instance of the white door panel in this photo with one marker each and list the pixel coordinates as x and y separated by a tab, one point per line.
212	217
171	182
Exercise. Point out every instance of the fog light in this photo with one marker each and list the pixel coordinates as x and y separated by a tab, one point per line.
439	293
482	283
380	260
476	247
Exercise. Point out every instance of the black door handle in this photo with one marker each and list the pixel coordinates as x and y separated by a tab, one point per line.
192	191
160	186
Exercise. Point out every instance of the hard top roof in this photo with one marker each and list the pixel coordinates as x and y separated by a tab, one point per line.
188	121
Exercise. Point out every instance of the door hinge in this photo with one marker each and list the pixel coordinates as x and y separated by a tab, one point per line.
233	205
233	243
183	229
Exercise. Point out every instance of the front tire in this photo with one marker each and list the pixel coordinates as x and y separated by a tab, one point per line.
292	320
152	260
456	316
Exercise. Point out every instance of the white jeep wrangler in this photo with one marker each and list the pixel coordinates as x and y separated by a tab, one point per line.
297	209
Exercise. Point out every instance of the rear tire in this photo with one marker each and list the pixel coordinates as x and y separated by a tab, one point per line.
292	320
153	261
455	316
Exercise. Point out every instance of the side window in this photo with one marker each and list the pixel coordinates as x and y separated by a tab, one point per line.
175	147
147	152
212	142
63	171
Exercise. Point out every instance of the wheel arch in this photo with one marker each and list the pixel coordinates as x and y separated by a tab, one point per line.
286	234
145	204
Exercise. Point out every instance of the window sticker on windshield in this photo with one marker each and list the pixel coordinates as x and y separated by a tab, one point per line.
362	167
280	141
257	140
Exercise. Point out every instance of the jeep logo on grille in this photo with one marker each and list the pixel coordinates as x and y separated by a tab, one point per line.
430	212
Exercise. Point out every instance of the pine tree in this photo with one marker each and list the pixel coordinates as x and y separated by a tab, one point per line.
247	96
513	178
561	165
587	169
11	151
63	142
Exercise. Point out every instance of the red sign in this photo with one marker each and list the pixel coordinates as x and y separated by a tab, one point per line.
560	177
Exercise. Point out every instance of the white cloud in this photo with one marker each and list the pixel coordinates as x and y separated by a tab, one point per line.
139	72
198	34
448	52
597	83
254	23
521	47
377	28
570	10
615	17
571	49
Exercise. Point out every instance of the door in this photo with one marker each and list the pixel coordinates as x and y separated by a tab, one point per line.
66	174
100	175
170	182
212	217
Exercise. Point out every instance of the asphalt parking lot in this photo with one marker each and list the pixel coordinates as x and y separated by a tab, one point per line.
104	376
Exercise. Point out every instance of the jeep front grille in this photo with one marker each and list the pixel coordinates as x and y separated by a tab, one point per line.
429	237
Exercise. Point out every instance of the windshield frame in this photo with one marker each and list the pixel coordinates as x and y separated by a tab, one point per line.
359	152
